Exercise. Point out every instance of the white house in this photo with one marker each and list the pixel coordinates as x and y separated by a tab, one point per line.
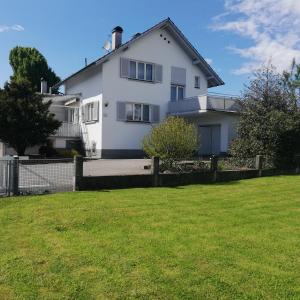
112	103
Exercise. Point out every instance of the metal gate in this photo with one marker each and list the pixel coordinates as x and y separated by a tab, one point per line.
210	139
6	176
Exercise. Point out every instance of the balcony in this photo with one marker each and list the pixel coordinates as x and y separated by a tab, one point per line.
204	103
68	130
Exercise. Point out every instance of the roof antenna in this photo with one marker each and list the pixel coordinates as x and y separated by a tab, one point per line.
107	46
85	61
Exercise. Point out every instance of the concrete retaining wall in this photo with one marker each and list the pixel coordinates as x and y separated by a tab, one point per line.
129	181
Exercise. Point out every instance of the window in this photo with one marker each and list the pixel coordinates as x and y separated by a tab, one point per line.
197	82
180	92
132	69
177	92
140	70
149	72
173	93
129	112
90	108
72	115
146	113
90	112
137	112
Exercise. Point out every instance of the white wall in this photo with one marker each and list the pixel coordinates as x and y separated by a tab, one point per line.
152	48
90	84
92	131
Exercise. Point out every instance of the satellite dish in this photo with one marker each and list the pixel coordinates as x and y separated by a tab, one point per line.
107	46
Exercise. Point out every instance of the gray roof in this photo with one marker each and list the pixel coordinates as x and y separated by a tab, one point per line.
213	78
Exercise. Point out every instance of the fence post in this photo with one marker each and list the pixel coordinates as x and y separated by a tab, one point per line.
155	170
214	167
297	161
15	175
258	164
78	172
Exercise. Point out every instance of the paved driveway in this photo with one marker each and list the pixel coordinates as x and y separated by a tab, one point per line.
105	167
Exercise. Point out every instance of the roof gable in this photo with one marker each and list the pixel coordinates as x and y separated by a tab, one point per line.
212	77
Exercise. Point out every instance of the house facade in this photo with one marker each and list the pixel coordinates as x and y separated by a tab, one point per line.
112	103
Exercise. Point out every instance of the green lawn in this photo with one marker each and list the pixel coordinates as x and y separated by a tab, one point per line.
239	240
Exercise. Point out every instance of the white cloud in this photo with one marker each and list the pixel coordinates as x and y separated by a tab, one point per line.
208	60
15	27
274	29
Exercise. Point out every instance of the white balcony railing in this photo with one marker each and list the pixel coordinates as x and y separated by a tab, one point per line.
68	130
204	103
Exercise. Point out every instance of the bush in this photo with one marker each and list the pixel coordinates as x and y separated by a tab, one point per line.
69	153
171	140
48	150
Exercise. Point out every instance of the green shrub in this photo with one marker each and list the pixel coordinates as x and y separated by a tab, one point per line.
69	153
173	139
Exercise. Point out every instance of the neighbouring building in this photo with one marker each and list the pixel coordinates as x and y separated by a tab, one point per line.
112	103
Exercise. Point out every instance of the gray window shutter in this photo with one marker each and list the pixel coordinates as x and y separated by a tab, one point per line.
121	111
178	76
155	113
124	67
158	73
96	111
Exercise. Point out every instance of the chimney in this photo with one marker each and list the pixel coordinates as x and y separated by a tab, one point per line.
44	86
116	37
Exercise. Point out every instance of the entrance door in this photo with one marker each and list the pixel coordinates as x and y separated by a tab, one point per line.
210	139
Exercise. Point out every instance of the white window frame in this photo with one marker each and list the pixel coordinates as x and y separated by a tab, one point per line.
142	112
90	108
197	82
137	70
177	94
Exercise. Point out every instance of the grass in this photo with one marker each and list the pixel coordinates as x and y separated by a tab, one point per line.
239	240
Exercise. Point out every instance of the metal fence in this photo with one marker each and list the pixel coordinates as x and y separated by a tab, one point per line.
35	176
5	176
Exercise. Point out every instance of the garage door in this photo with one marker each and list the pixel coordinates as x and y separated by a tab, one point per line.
210	139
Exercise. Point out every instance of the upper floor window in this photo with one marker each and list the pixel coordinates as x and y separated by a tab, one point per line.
140	70
197	82
177	92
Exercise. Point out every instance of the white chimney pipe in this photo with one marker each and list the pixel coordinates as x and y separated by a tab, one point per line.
44	86
116	41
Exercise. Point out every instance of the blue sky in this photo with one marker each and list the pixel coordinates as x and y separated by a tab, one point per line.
66	32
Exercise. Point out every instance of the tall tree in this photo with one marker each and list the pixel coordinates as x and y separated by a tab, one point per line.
25	120
29	64
291	81
269	120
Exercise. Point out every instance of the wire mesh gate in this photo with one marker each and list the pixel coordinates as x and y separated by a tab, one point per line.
35	176
38	176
